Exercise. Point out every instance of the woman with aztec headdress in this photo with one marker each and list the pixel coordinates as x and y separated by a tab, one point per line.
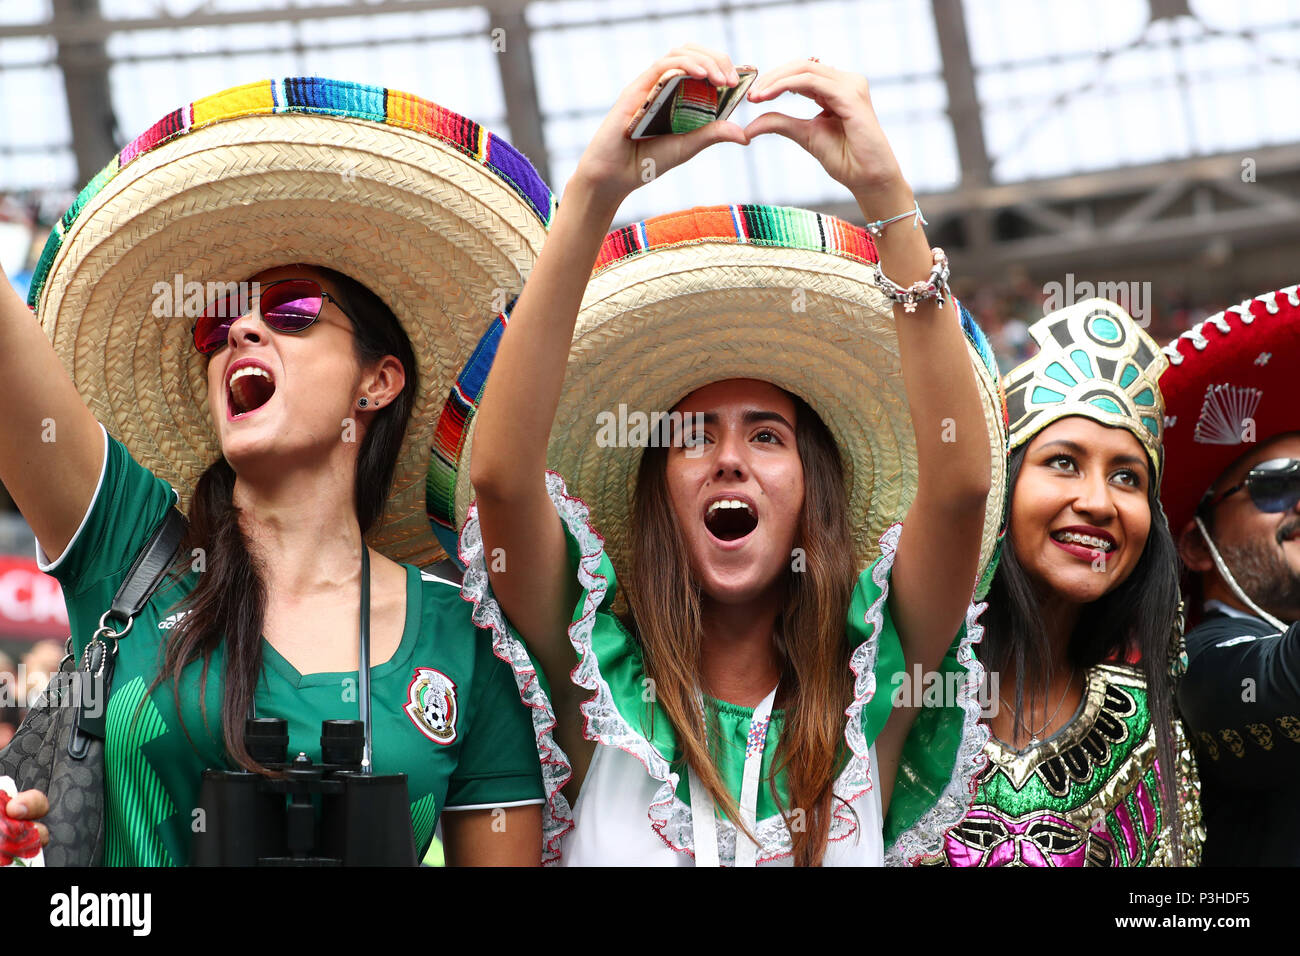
1087	761
747	418
263	299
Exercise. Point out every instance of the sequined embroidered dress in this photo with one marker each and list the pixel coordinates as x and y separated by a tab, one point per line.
1087	796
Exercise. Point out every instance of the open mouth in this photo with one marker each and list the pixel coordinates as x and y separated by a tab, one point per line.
730	519
1085	544
248	388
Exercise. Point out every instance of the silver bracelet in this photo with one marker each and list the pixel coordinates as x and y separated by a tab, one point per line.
935	287
877	228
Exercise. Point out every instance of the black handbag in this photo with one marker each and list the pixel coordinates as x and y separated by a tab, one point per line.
59	748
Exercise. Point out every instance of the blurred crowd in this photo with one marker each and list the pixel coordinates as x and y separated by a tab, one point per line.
1005	312
22	681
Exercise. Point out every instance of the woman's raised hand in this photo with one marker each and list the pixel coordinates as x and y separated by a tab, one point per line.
517	409
845	137
937	556
614	165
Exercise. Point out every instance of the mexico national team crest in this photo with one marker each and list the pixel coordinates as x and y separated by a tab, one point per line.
431	705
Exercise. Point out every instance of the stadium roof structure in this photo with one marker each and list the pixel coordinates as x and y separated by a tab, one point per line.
1040	135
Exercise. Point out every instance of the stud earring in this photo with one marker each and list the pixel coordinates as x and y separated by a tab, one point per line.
363	402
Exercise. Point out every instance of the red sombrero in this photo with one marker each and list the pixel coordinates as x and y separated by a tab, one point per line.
1233	381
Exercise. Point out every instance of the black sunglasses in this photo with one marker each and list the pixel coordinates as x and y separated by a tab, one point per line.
1274	486
289	305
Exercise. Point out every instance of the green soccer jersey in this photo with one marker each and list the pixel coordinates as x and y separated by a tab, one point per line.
446	711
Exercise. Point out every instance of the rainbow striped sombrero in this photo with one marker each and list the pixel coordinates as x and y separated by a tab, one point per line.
761	292
432	212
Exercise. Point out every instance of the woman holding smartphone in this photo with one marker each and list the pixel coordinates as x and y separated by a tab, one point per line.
254	309
807	415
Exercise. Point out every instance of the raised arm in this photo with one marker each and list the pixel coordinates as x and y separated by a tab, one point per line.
51	448
522	536
938	553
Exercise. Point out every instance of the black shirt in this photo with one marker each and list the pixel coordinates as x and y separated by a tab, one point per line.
1240	700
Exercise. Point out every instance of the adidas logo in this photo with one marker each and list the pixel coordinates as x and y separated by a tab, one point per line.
171	620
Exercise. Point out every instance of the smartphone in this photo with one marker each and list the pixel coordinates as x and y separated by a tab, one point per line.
679	104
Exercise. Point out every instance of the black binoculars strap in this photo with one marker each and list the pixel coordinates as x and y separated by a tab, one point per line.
363	666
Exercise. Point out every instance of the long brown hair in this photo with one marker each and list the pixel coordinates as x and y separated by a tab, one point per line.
815	680
229	602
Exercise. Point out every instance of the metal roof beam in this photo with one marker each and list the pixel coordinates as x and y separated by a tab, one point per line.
85	82
1157	223
514	52
964	113
93	26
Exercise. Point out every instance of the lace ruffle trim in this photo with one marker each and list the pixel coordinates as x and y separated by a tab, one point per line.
926	835
557	819
669	815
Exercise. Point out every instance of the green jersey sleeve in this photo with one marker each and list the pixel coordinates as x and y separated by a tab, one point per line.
943	753
498	763
128	504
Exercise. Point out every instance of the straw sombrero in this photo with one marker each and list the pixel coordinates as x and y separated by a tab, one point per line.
432	212
1231	385
781	295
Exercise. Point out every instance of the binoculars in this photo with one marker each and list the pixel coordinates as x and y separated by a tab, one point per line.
251	819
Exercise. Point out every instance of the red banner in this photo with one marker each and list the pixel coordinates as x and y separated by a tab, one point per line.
31	602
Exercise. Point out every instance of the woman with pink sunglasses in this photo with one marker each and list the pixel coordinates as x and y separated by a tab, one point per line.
225	353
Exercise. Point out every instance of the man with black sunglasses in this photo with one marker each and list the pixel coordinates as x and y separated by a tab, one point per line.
1232	495
1238	543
